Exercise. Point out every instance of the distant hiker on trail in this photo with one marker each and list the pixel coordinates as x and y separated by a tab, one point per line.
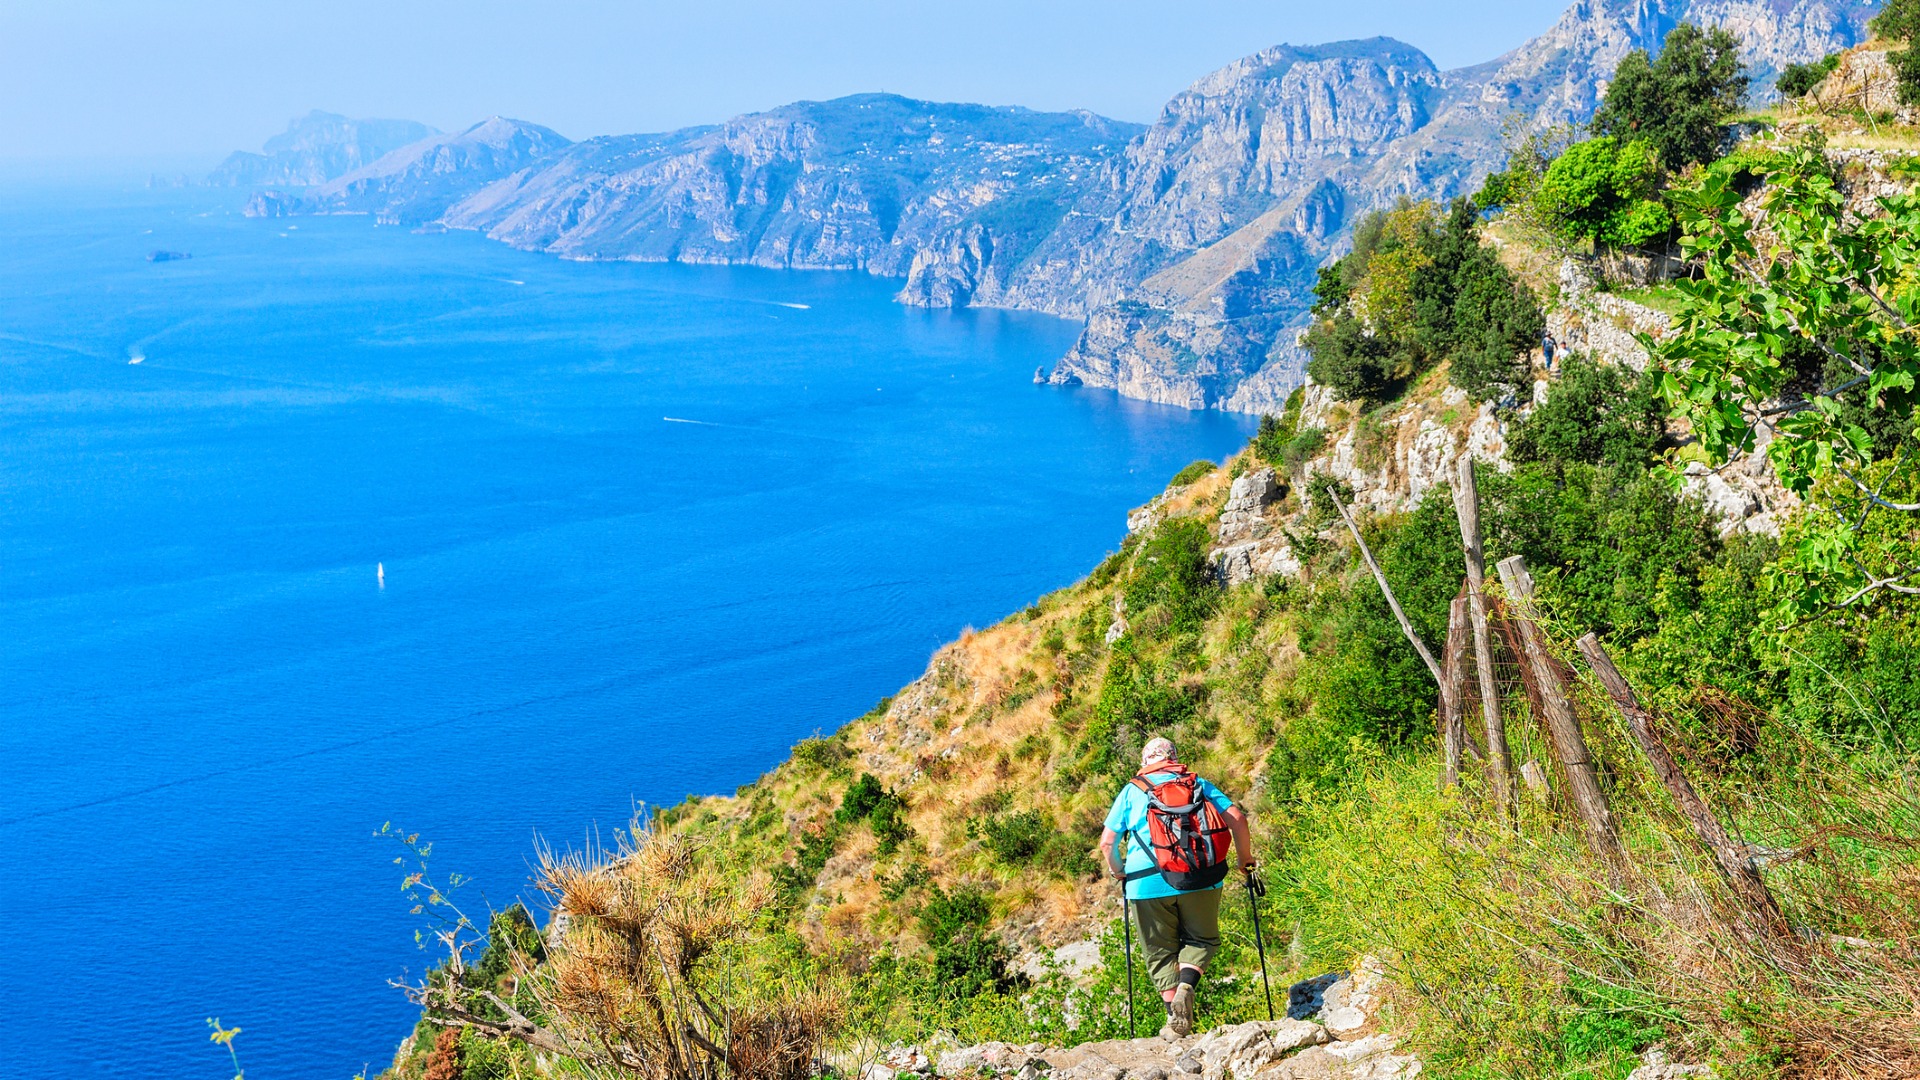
1547	347
1176	827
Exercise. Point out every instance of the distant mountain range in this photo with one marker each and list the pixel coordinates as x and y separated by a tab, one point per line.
1189	246
317	148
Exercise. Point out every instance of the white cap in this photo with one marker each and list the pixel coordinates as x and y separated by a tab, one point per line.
1156	750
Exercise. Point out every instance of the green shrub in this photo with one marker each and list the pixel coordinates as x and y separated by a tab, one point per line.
1028	838
1270	441
1605	192
1172	572
482	1058
1495	321
1133	700
1611	1023
968	959
511	938
1798	80
1418	287
792	880
867	799
1302	448
1282	443
1594	414
1616	545
1192	472
821	753
913	876
1678	103
1358	365
1899	21
1013	839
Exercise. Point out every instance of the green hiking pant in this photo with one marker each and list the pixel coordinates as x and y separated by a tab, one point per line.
1176	930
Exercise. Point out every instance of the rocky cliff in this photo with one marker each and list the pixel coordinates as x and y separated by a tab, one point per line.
1203	310
1190	247
316	148
869	182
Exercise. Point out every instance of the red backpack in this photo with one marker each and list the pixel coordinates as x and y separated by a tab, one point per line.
1186	833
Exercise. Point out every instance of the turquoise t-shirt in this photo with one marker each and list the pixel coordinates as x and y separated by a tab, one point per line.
1128	818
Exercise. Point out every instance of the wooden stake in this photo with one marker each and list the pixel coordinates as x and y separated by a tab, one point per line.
1449	703
1569	745
1406	627
1453	724
1735	866
1466	506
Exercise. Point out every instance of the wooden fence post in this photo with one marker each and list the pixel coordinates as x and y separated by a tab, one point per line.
1735	866
1563	728
1453	722
1466	505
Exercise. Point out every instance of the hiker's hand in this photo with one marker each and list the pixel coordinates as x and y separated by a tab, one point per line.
1248	864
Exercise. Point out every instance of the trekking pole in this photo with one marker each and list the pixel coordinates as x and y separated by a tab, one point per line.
1126	922
1255	890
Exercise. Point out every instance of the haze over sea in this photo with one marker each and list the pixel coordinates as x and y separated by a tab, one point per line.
643	527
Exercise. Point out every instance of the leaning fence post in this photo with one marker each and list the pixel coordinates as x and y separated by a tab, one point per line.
1406	626
1563	728
1733	862
1466	506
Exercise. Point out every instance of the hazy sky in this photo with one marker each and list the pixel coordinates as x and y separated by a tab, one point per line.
132	78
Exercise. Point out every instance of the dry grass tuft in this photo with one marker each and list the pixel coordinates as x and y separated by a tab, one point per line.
644	978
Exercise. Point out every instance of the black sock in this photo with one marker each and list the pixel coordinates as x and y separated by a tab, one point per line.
1190	977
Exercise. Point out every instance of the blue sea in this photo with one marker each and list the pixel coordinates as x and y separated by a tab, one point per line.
642	527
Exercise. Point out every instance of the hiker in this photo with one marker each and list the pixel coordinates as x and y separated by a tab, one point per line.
1547	346
1172	869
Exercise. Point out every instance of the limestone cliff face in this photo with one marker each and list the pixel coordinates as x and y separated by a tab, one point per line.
1273	158
1195	272
874	182
316	148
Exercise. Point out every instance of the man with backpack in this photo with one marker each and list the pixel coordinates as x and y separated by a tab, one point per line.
1176	827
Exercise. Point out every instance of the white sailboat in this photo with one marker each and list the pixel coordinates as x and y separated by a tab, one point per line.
380	573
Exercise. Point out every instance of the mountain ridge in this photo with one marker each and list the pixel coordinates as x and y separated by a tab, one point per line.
1188	246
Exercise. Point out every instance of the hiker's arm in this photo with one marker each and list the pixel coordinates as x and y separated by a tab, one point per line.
1242	835
1110	846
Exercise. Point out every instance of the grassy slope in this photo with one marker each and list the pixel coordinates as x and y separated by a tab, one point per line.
976	735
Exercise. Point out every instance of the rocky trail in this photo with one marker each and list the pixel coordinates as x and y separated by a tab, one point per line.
1333	1030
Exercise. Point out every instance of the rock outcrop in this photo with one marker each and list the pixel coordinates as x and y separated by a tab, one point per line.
1863	80
315	149
1249	546
1606	326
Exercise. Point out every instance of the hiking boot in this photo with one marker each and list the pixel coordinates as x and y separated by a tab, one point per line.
1180	1012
